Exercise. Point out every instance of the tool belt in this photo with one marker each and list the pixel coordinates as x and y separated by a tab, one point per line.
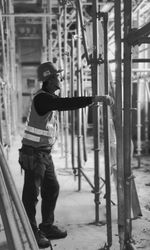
28	156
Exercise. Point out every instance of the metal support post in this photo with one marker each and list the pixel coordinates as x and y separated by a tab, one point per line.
146	118
50	31
44	40
84	119
12	69
78	4
96	119
107	137
3	47
65	84
72	112
79	94
127	121
119	125
139	125
5	85
59	28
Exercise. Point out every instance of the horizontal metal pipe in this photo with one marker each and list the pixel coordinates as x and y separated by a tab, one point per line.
27	15
136	60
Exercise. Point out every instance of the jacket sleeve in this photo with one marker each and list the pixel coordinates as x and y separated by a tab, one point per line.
45	102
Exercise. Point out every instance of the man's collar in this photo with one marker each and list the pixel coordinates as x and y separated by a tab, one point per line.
45	89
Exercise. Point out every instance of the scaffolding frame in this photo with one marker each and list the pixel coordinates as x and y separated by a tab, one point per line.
124	116
123	112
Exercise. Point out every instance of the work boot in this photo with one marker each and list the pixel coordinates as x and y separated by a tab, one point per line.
41	240
52	232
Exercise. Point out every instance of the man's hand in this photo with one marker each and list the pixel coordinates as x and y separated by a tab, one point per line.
109	100
105	98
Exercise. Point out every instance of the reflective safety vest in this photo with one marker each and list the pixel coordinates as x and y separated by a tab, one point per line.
40	131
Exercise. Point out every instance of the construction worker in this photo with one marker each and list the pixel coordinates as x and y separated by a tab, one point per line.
35	155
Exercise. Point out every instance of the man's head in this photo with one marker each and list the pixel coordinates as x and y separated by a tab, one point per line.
45	71
49	75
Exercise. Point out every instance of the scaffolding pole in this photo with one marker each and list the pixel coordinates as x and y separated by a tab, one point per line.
84	119
44	39
107	136
65	84
59	28
83	30
96	119
139	125
6	76
72	112
127	122
49	3
12	69
79	94
146	111
119	125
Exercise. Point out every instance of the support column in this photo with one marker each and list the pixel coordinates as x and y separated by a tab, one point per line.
79	94
119	125
49	3
96	119
65	84
106	126
72	112
127	121
61	66
44	40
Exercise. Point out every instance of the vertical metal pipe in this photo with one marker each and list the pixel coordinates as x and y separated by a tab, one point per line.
119	125
6	79
96	121
3	47
65	83
84	119
4	68
139	83
61	90
44	40
127	120
1	105
49	3
79	94
107	137
146	118
19	86
79	6
72	112
13	69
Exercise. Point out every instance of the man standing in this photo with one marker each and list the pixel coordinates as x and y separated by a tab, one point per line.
35	155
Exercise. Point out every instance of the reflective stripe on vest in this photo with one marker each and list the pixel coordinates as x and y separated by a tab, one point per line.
37	138
31	137
37	131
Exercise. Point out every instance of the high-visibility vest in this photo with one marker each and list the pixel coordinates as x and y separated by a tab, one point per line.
40	131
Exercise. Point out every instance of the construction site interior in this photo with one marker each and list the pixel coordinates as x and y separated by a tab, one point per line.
102	155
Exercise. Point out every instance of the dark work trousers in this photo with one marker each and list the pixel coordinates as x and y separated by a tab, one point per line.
41	179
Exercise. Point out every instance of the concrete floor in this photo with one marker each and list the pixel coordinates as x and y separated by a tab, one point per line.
75	211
